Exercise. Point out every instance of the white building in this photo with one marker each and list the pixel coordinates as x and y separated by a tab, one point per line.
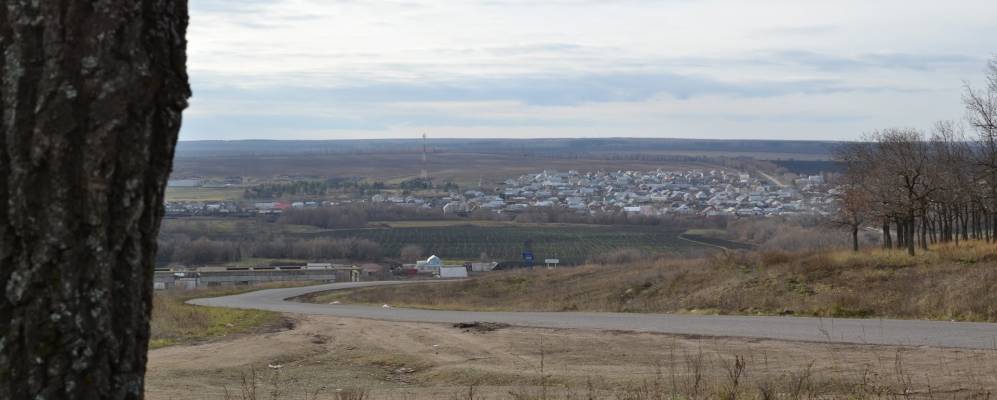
433	263
453	272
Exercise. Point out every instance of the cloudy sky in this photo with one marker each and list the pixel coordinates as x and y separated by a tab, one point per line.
335	69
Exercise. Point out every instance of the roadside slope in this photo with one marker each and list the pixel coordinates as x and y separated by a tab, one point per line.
949	283
858	331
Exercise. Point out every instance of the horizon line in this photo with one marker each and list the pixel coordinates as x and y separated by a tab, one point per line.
523	139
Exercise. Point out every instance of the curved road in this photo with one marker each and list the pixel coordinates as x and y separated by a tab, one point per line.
857	331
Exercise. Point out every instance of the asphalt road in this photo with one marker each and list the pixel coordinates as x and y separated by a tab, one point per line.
837	330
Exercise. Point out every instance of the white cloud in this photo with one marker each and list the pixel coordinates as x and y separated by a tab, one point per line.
787	69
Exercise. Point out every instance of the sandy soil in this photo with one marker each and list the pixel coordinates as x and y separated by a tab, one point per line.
326	355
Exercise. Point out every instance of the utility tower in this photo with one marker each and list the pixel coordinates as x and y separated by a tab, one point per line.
424	175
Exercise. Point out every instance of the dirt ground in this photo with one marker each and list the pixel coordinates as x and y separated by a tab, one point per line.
329	356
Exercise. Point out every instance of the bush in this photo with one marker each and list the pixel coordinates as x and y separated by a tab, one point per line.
198	252
317	249
621	256
328	218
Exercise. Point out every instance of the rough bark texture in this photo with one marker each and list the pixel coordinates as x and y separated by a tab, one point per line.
91	95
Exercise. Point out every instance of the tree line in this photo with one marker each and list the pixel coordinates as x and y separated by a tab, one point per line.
180	249
924	187
358	216
279	190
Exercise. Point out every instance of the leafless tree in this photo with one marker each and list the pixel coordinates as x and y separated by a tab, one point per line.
936	189
411	252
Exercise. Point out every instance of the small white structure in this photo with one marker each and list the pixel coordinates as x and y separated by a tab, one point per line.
453	272
433	263
483	266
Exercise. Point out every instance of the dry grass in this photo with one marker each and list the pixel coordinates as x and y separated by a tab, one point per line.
203	194
174	322
948	283
417	361
714	372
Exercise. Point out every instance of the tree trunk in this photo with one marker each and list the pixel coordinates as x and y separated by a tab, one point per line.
909	240
887	239
855	238
92	95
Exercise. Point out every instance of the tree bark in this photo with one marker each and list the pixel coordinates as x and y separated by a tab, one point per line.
92	95
887	237
855	238
910	235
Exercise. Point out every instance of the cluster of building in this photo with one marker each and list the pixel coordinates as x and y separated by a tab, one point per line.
237	208
652	193
694	192
435	266
197	277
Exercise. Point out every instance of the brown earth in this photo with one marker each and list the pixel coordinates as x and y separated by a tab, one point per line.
328	356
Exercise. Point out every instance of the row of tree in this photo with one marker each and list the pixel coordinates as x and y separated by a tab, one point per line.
929	187
312	188
283	189
204	251
357	216
569	216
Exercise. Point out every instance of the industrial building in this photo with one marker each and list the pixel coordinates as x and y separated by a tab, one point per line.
192	278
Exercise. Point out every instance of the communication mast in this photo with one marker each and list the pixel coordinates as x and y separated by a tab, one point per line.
424	175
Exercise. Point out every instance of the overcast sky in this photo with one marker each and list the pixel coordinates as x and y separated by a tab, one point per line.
328	69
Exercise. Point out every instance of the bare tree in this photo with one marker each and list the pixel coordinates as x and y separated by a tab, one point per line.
887	175
981	113
953	176
855	194
91	95
981	107
853	210
933	190
411	252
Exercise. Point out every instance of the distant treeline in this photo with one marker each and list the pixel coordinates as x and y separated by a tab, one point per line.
181	249
278	190
517	146
810	167
357	216
427	183
569	216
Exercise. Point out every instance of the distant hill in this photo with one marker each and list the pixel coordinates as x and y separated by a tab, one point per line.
759	149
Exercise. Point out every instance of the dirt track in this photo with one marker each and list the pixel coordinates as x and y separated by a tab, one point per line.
426	360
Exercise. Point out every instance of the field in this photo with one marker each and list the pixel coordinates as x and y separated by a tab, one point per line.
715	242
572	244
465	169
457	241
174	322
341	358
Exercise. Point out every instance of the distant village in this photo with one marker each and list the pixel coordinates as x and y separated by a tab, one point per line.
654	193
